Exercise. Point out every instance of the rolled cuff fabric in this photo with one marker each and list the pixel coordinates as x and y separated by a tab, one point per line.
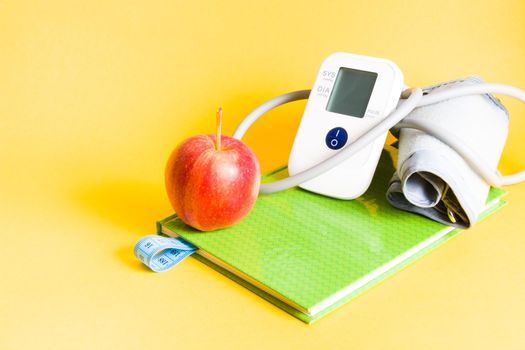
431	178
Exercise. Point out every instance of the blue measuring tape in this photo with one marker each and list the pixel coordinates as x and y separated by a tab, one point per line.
162	253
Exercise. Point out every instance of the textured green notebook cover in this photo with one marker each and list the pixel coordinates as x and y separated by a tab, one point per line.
308	254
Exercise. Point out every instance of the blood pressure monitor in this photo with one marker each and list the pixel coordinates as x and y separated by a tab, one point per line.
351	94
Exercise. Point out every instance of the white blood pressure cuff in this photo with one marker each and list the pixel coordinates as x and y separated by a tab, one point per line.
431	179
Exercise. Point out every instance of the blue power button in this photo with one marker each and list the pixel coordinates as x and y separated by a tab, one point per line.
336	138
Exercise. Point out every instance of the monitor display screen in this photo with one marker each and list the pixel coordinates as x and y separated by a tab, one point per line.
351	92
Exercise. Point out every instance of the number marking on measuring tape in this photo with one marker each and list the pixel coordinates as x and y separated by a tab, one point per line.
162	253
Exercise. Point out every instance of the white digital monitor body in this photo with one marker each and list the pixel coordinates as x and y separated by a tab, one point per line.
351	94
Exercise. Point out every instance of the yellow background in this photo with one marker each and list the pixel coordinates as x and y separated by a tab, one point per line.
95	94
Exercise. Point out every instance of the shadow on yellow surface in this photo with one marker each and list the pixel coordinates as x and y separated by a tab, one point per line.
132	206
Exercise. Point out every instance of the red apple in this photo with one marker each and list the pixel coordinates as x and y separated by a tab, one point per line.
212	181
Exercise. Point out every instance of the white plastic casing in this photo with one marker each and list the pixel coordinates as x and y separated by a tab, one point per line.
351	178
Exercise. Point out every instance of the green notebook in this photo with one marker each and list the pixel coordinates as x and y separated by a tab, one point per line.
309	254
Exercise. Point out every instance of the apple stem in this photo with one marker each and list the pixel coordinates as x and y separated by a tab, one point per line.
219	124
